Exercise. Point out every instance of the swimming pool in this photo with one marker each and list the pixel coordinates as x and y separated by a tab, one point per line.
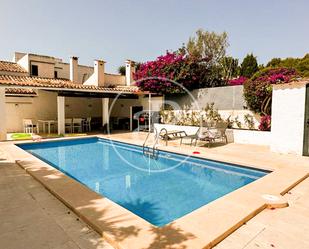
158	190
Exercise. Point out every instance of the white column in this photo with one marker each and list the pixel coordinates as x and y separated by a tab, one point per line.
130	70
74	69
2	114
105	111
61	114
99	72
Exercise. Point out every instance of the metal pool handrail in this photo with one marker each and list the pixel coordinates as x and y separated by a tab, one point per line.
147	150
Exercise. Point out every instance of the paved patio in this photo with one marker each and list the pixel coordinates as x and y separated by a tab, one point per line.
278	228
32	218
286	228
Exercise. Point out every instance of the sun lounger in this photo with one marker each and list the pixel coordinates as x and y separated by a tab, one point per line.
209	135
166	135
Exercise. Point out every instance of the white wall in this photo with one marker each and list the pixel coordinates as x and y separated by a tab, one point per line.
229	101
83	107
24	62
156	102
249	137
47	65
45	107
233	135
224	98
42	107
288	112
121	107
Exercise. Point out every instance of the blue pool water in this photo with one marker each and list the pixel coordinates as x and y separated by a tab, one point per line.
158	190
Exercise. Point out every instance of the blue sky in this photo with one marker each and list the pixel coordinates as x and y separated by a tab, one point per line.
141	30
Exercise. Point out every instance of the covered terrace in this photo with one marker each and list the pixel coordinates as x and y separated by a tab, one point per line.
63	90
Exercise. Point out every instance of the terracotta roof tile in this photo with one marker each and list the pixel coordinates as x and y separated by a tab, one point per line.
28	81
20	91
11	67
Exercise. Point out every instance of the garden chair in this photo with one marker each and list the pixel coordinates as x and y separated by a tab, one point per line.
217	133
77	124
199	135
68	124
210	135
29	126
87	124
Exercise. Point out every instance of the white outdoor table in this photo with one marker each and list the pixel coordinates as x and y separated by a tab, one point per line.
48	123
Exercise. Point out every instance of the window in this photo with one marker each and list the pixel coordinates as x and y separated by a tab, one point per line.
55	74
34	70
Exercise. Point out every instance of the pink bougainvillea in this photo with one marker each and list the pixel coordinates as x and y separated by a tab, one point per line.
276	75
158	75
238	81
265	123
259	87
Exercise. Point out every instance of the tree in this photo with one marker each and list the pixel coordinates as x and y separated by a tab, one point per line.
209	49
300	64
249	66
303	66
122	70
275	62
195	65
208	45
230	68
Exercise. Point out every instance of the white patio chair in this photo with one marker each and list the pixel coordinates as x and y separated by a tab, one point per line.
68	124
77	124
87	124
29	126
212	134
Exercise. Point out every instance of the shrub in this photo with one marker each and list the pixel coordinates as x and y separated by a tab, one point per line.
249	121
265	124
258	89
191	73
238	81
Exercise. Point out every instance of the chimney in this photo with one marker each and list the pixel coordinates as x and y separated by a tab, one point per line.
74	69
99	72
130	69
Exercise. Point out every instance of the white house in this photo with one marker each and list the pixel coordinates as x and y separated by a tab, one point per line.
43	87
40	87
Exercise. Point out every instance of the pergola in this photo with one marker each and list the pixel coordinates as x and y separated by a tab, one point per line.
68	89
